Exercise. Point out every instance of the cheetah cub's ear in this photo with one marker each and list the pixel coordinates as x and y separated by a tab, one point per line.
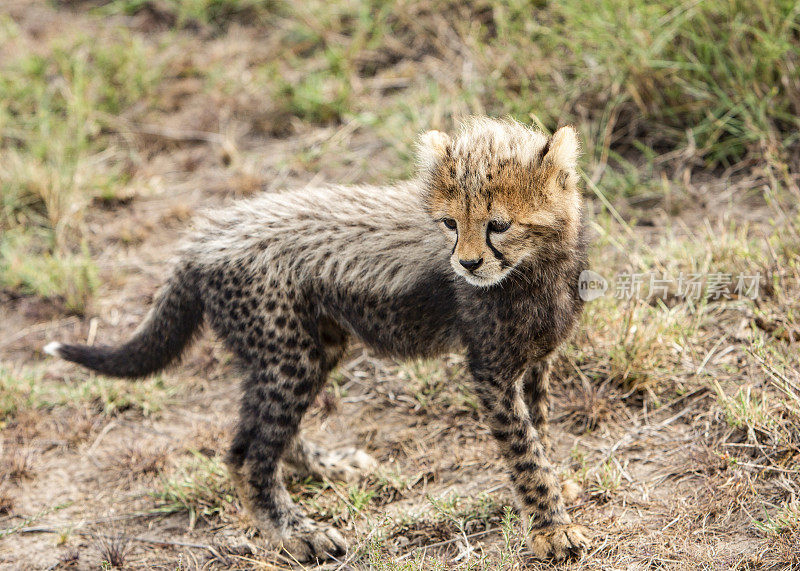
432	147
563	149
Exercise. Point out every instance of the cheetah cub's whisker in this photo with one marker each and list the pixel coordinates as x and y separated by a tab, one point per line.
480	252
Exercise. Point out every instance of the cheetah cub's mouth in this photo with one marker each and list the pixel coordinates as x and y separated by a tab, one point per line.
504	194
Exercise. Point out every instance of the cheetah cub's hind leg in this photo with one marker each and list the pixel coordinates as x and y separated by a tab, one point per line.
346	464
271	413
306	458
288	366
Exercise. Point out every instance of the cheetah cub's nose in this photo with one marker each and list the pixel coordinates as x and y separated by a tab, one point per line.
471	264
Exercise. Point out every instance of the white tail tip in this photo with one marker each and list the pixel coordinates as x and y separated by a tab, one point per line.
53	349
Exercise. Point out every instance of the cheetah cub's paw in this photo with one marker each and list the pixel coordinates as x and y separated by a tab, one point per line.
300	538
347	464
314	542
570	490
559	542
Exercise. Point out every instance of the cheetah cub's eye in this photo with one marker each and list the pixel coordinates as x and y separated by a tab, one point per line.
499	226
449	223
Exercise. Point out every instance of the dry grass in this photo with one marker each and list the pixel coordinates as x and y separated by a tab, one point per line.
18	465
139	461
113	551
6	503
678	415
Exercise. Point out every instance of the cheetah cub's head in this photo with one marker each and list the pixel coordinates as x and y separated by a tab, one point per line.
503	193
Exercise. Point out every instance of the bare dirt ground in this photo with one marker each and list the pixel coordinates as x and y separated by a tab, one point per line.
141	479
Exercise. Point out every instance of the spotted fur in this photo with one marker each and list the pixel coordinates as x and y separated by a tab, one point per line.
287	279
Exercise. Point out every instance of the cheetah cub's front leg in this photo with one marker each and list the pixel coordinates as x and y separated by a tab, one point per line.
553	535
536	388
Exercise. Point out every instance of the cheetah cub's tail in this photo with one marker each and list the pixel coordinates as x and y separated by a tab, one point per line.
167	330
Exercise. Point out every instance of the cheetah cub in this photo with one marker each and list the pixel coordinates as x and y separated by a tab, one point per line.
481	252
